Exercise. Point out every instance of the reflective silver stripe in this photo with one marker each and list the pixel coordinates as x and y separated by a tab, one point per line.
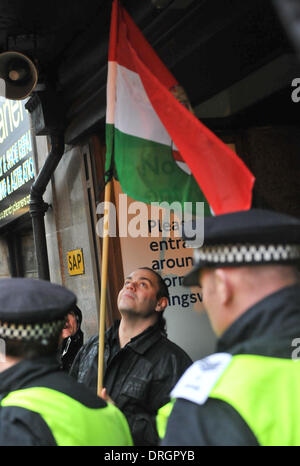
29	332
247	253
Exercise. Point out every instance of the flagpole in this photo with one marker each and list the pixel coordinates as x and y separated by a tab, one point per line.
104	268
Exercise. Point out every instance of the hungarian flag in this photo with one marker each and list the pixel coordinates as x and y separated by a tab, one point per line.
157	148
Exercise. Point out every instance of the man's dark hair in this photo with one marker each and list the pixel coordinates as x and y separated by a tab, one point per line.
163	292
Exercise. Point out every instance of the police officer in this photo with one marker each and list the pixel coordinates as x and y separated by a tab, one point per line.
247	393
41	404
72	338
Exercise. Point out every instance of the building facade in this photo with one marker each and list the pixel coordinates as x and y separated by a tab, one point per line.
239	68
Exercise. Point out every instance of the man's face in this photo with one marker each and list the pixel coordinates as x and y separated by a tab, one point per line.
210	298
70	327
138	295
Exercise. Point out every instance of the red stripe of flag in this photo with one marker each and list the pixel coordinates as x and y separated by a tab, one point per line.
222	176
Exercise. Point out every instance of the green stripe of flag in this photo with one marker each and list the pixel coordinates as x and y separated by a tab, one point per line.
148	172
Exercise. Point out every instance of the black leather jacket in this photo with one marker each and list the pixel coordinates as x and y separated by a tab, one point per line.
69	348
138	377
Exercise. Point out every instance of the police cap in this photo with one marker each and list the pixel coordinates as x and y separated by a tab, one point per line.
251	237
32	309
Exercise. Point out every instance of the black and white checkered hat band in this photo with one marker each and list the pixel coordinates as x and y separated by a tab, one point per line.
247	254
30	332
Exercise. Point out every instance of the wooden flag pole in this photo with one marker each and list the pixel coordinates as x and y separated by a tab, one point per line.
104	268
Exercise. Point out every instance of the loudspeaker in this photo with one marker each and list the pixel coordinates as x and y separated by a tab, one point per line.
19	75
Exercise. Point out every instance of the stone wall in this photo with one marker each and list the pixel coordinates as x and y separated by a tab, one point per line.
67	224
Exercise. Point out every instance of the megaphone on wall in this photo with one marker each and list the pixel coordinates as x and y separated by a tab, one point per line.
18	75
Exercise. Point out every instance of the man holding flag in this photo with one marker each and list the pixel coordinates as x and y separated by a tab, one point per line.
141	365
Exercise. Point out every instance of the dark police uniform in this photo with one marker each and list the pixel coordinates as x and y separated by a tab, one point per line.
247	393
40	404
72	344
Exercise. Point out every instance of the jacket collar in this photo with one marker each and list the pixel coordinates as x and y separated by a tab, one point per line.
277	315
140	343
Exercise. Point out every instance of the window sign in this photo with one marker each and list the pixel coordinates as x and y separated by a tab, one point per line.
75	262
16	160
